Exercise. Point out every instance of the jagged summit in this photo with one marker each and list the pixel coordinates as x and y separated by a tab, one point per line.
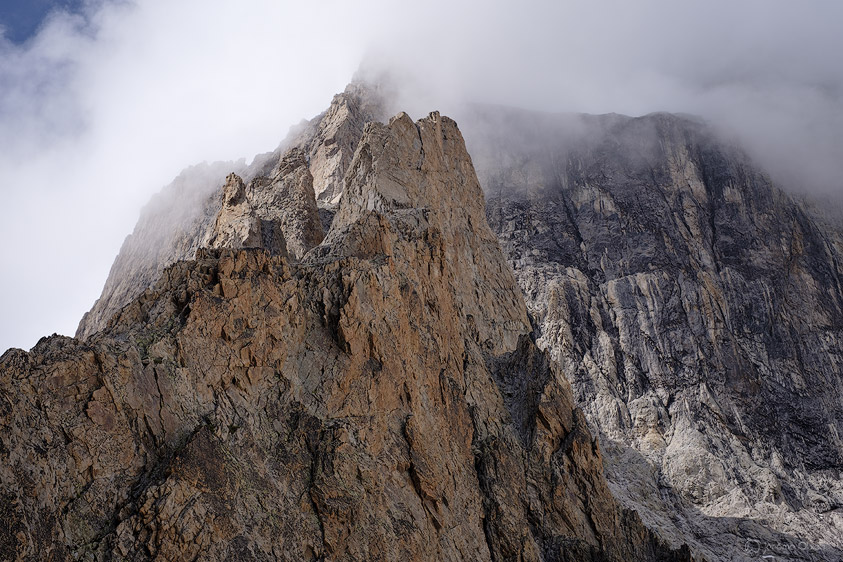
422	173
338	131
382	399
310	162
694	306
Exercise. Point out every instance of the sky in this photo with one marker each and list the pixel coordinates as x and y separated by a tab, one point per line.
103	102
21	18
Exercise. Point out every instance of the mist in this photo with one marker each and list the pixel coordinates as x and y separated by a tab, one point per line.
103	107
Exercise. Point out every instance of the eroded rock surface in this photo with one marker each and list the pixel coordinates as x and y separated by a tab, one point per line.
180	219
697	310
237	225
380	400
286	199
337	132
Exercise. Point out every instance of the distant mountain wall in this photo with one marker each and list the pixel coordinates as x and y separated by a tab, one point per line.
697	310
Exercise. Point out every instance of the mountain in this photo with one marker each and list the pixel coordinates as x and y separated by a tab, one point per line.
179	220
377	398
697	311
681	314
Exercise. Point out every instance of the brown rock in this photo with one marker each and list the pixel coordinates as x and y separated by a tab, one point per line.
180	219
381	400
237	225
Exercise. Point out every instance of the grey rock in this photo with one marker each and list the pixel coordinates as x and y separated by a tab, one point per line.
330	147
286	199
696	309
237	225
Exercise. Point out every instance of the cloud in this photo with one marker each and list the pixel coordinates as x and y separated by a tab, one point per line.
766	72
103	108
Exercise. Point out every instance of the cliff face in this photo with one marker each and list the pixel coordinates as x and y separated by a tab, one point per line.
281	186
697	311
694	307
380	398
332	137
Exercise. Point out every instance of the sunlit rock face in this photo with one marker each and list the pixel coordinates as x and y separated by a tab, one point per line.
281	186
697	310
693	306
379	399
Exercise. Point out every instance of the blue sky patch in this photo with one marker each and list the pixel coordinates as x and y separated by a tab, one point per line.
22	18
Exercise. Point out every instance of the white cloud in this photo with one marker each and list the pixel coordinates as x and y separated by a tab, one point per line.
99	112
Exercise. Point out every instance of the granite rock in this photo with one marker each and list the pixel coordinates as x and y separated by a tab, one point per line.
697	310
381	399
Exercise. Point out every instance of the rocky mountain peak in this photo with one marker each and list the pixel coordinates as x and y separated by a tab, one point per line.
380	399
311	161
332	146
435	147
422	173
234	191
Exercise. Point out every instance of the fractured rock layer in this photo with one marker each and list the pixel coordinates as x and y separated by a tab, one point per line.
237	225
380	400
286	199
180	218
337	133
697	310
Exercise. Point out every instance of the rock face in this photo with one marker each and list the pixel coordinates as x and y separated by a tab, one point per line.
381	399
237	225
696	309
286	199
332	145
281	186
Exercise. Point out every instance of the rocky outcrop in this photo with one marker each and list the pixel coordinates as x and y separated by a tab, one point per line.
180	218
382	399
696	309
286	199
330	147
236	225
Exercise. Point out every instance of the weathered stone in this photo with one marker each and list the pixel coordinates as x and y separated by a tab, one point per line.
286	200
237	225
180	219
337	132
697	310
381	400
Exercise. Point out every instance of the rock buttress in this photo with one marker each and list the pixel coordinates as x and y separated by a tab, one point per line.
380	400
180	218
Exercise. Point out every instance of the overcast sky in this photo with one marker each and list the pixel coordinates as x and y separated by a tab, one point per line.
105	102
